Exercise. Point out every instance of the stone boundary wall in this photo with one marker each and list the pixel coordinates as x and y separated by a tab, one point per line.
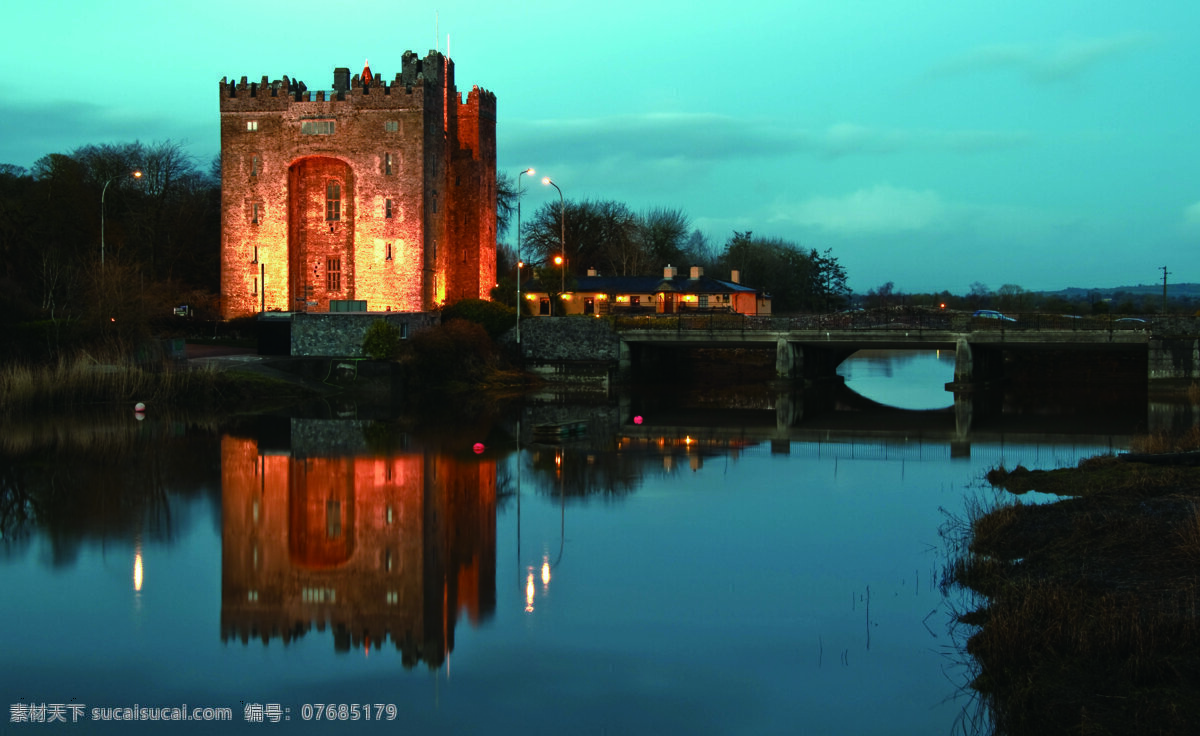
340	334
567	339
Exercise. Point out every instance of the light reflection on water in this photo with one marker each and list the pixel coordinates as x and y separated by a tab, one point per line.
641	579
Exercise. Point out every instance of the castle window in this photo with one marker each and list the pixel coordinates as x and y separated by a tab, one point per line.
333	201
333	519
317	127
387	164
251	125
391	126
389	252
255	212
333	274
254	165
387	208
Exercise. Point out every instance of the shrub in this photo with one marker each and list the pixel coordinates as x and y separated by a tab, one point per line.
455	351
495	318
382	340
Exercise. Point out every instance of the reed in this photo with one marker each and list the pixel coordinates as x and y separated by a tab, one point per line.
1087	620
88	380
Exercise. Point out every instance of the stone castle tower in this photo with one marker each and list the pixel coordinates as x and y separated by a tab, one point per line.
376	192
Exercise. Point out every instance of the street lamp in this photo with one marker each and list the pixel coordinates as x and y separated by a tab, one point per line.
136	174
562	239
519	264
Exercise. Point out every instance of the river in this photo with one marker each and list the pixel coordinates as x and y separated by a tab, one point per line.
671	569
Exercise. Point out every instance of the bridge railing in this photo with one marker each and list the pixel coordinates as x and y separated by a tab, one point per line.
881	320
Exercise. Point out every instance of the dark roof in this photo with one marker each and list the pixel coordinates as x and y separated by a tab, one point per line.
651	285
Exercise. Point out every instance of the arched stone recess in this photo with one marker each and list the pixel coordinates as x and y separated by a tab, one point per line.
321	215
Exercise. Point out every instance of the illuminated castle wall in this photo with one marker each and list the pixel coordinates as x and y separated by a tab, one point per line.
373	547
383	192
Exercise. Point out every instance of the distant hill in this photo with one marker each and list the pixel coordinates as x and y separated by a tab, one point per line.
1174	291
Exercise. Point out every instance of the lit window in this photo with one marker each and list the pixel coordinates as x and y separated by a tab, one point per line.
333	274
387	208
391	126
251	125
316	127
388	162
333	201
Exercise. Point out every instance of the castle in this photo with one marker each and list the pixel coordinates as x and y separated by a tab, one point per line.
377	195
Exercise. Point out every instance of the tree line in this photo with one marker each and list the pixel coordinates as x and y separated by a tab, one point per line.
160	233
1016	299
612	239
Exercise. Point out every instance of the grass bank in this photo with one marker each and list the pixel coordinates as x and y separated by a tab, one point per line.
1090	621
88	380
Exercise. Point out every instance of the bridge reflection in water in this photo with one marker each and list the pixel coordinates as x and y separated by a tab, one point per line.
834	412
373	546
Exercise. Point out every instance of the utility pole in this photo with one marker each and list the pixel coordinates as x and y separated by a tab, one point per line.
1165	272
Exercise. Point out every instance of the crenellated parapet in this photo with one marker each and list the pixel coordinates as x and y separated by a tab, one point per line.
434	70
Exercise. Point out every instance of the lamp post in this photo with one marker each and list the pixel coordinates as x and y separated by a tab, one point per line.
519	264
136	174
562	239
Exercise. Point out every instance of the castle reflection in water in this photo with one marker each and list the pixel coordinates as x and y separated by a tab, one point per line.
377	547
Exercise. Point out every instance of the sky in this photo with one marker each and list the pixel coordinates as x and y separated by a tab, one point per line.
931	144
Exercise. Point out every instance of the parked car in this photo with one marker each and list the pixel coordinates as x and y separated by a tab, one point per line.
992	314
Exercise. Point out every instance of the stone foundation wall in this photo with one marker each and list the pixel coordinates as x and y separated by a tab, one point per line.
321	334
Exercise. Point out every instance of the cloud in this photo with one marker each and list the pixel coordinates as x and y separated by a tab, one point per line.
61	127
701	139
1044	64
879	209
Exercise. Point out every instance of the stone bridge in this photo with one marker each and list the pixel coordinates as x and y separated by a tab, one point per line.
810	347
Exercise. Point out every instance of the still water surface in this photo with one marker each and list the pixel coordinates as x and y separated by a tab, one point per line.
652	576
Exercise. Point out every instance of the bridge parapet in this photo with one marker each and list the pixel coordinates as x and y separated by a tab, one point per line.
959	322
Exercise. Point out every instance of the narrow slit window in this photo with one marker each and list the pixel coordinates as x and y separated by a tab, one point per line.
333	201
388	257
387	208
333	274
254	165
387	164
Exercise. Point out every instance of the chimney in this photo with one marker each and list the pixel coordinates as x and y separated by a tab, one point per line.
670	272
341	79
697	272
735	276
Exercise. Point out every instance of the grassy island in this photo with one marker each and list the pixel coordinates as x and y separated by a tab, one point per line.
1090	622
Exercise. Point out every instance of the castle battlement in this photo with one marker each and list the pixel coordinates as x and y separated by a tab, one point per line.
415	72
